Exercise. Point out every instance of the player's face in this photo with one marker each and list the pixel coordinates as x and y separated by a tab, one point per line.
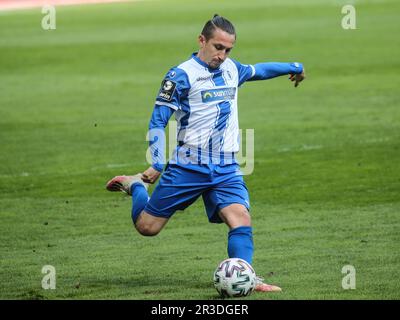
215	50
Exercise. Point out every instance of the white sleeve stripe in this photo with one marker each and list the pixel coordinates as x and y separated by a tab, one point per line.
253	71
172	106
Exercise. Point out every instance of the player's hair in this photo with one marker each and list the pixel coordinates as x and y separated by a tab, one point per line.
217	22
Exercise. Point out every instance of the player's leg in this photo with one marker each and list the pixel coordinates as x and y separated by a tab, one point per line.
235	215
228	202
145	223
240	239
240	236
175	191
149	225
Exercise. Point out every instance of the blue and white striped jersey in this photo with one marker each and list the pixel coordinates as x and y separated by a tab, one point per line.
205	103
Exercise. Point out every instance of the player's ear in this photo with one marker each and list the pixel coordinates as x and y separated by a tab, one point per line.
202	41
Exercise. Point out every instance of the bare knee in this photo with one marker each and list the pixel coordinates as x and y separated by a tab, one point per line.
149	225
235	215
242	218
147	230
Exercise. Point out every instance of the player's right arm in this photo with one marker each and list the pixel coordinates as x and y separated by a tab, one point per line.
174	87
158	122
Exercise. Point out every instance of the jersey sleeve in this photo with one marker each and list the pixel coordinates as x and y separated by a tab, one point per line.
269	70
245	72
174	88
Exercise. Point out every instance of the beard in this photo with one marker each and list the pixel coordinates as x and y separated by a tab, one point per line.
215	63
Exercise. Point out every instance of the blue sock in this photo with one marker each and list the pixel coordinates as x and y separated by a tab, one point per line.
240	243
139	200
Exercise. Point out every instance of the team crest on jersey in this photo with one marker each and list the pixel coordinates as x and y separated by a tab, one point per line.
218	94
167	90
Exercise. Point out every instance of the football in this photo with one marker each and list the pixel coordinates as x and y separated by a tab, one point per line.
234	277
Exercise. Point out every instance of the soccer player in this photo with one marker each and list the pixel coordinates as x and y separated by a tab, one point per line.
202	93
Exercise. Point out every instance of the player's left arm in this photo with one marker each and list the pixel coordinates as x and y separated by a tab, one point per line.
269	70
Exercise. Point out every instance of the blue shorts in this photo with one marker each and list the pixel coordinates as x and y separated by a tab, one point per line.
180	186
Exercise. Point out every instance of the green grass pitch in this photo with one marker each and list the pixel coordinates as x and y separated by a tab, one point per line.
74	109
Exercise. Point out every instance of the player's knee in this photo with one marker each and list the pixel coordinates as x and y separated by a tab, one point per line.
243	218
246	219
236	216
147	230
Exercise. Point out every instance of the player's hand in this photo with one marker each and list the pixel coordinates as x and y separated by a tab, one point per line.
297	78
150	175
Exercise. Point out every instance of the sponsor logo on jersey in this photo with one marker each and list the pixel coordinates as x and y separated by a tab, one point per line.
218	94
167	90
